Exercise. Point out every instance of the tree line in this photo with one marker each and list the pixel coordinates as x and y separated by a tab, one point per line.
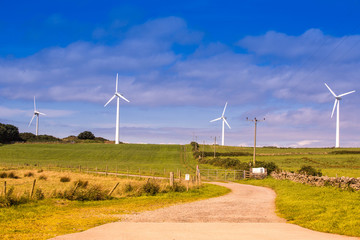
10	134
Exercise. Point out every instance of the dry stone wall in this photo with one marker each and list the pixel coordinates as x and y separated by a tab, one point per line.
341	182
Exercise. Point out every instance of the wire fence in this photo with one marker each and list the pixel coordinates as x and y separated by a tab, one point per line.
224	174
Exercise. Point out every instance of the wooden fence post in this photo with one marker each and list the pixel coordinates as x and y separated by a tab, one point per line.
5	188
171	179
113	189
32	189
106	171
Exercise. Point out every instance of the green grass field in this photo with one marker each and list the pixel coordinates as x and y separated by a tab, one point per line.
324	209
123	157
292	159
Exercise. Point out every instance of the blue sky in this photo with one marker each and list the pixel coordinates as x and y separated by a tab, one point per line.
178	63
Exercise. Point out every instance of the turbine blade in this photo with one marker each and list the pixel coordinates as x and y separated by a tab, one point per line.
31	120
217	119
117	80
42	113
110	100
330	90
119	95
34	104
224	109
336	102
346	93
227	123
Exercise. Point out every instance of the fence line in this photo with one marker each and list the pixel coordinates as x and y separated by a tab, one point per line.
206	174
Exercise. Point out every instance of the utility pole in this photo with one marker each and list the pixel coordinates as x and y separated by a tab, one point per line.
255	122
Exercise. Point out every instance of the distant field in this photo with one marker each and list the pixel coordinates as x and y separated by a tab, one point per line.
132	157
332	162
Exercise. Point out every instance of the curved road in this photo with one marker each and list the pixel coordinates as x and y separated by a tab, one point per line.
248	212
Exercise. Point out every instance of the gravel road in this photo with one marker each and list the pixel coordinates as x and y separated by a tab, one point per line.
248	212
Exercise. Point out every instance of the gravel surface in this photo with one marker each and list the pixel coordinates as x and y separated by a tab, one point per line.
247	213
245	203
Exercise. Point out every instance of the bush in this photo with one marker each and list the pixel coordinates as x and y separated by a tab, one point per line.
151	188
86	135
64	179
3	175
13	175
128	187
43	177
195	146
178	187
270	166
29	174
30	137
93	193
8	133
81	184
11	200
309	170
39	195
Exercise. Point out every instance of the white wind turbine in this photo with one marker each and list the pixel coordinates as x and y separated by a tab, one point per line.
337	106
118	95
223	124
37	115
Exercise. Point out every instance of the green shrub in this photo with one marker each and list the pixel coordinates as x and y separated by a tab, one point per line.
11	200
309	170
64	179
270	166
92	193
151	188
178	187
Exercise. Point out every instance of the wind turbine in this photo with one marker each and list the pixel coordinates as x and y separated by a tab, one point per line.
223	118
337	106
37	115
118	95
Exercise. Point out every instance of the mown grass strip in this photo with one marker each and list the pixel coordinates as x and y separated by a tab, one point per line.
53	217
324	209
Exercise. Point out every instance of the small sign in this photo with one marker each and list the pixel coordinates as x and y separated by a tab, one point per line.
187	177
258	170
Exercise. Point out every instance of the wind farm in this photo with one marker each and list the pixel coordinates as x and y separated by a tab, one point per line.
77	152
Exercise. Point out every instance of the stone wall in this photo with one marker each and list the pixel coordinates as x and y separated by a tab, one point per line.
341	182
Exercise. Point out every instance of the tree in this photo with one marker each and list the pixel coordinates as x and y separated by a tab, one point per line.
8	133
86	135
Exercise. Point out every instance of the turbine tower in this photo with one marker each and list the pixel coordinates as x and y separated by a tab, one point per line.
37	115
223	118
117	96
337	106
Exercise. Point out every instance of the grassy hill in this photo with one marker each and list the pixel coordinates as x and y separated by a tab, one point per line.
332	162
132	157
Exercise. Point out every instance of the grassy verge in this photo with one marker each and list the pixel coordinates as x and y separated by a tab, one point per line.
53	217
322	209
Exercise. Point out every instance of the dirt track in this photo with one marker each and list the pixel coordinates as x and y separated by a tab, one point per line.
248	212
